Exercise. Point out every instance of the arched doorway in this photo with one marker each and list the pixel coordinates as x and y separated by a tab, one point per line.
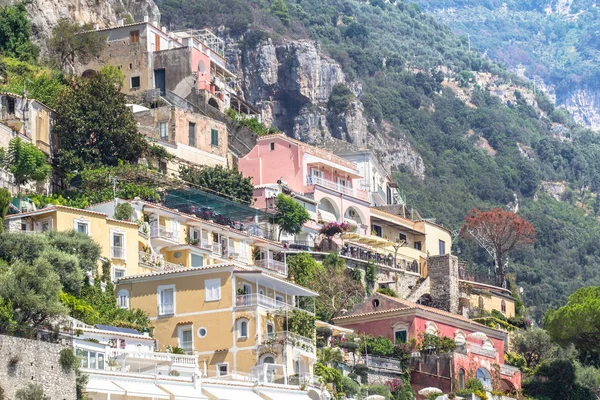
267	359
354	218
328	210
484	376
212	102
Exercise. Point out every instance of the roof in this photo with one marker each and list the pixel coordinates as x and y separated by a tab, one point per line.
30	99
175	272
57	207
315	151
407	305
377	213
117	329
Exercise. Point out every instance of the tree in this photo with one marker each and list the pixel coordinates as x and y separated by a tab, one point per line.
534	345
15	33
31	392
71	42
303	268
578	322
557	381
498	232
95	127
290	216
337	290
34	291
26	162
67	267
279	9
224	182
5	199
123	212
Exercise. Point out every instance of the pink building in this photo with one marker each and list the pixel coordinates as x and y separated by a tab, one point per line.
479	349
311	174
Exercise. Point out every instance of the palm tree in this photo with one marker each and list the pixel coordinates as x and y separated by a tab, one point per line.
331	356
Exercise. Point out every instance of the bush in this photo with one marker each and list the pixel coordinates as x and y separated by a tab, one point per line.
67	360
123	212
380	390
387	291
350	387
31	392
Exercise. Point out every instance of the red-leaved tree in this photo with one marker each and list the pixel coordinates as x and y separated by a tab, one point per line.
498	231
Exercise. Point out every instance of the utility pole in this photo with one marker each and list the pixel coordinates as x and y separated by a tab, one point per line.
114	181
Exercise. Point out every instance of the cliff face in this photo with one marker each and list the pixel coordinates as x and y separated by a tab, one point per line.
583	103
291	83
45	14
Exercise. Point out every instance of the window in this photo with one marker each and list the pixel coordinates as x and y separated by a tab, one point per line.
90	359
134	37
186	339
483	376
480	301
461	379
279	298
82	226
212	289
123	298
242	328
400	336
135	82
442	247
377	230
214	137
118	246
118	273
431	328
271	146
268	360
202	332
192	134
197	260
163	130
418	245
223	369
503	307
24	227
166	300
270	328
402	237
45	226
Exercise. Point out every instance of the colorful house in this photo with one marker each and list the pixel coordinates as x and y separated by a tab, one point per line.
479	349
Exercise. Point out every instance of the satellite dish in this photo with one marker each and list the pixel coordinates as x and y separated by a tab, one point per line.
201	66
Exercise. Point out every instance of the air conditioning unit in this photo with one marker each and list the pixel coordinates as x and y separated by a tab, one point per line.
352	213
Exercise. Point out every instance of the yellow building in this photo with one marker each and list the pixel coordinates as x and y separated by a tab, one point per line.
477	297
118	240
236	319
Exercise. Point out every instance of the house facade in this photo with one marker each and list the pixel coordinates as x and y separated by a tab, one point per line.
236	319
479	349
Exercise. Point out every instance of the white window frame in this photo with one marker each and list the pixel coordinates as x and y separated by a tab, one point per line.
78	221
223	364
164	124
180	330
45	221
400	326
280	298
239	328
270	323
115	269
204	259
123	293
207	295
205	332
114	232
159	290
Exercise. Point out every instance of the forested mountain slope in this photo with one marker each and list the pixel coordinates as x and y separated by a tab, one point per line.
553	41
481	135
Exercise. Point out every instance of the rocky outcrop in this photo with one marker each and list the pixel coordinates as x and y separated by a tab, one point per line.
45	14
291	83
583	104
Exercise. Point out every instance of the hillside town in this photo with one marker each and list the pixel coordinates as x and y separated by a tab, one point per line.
220	279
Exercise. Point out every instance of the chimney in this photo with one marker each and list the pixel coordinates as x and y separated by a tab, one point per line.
164	29
121	22
146	18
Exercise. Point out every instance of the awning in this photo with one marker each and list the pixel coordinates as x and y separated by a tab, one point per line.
183	391
327	216
98	385
143	389
283	394
224	392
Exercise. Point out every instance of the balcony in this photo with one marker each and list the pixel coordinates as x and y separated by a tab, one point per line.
508	370
477	349
159	358
291	338
391	364
117	252
273	265
151	260
317	180
247	300
161	232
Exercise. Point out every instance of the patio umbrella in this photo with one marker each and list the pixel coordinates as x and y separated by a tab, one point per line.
350	235
428	390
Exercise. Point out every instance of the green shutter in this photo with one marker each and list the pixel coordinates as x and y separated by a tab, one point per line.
214	137
401	336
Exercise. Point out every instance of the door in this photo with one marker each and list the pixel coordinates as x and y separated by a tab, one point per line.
160	81
224	246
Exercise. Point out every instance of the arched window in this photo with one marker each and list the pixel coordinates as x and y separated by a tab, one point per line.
431	328
480	303
242	328
267	359
503	306
461	379
123	298
483	376
460	338
489	345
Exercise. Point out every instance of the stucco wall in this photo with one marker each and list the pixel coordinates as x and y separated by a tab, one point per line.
24	361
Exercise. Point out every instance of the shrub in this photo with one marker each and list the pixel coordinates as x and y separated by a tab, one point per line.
31	392
350	387
387	291
67	360
123	212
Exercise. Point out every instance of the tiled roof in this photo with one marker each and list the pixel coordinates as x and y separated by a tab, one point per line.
175	271
56	207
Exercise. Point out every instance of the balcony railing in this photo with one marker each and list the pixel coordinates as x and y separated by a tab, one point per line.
382	363
151	260
168	358
508	370
270	303
291	338
482	351
160	231
117	252
273	265
166	309
326	183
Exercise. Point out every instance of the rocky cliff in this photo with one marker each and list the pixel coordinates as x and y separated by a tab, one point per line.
291	83
583	103
45	14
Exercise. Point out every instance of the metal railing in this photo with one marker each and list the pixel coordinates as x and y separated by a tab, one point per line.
383	362
273	265
244	300
160	231
170	358
117	252
292	338
152	260
477	349
326	183
166	309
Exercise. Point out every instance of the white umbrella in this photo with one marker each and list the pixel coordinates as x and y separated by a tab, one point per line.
375	397
478	335
428	390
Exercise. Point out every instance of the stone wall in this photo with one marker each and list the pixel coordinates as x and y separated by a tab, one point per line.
24	361
443	275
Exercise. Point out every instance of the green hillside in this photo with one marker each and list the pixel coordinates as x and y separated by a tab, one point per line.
444	129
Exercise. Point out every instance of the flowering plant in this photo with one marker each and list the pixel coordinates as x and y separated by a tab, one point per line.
331	229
